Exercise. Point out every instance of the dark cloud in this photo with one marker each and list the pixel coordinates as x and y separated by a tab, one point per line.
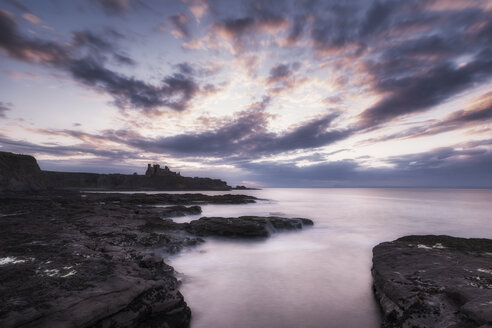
113	7
279	72
281	77
4	108
99	47
236	27
460	119
180	24
123	59
282	71
243	31
298	25
32	50
244	136
87	38
376	17
174	92
417	58
443	167
417	71
412	94
185	68
337	27
247	136
24	147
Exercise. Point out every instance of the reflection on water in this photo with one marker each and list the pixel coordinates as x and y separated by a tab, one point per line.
319	277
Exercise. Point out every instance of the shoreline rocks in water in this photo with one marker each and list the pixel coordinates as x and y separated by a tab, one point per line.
244	226
85	260
434	281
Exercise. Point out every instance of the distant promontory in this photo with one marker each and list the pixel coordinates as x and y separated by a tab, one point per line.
22	173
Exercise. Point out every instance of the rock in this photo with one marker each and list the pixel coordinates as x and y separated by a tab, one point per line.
180	210
20	173
434	281
244	226
73	261
85	260
169	199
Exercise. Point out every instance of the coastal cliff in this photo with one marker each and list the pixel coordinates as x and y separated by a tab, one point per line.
22	173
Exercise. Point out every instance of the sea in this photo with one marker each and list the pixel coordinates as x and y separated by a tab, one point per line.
319	276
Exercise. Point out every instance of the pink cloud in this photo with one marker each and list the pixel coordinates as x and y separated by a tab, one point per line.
33	19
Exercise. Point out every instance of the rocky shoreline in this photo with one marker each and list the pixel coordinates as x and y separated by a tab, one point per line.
434	281
85	260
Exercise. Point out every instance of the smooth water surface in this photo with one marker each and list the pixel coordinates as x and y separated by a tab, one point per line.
320	276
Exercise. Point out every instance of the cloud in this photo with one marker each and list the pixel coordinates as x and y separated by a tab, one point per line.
113	7
298	25
174	92
180	24
246	136
4	108
244	31
477	115
99	47
198	8
31	18
89	39
281	77
442	167
21	48
24	147
279	72
418	93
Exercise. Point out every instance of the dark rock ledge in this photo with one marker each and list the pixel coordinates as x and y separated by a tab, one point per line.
434	281
244	226
84	260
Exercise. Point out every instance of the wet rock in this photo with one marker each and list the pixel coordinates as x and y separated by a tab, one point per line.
72	261
168	199
180	210
244	226
434	281
84	260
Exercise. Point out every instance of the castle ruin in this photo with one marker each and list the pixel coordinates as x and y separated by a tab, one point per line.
156	170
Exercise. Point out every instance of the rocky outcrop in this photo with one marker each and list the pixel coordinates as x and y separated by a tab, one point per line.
20	173
244	226
73	261
86	260
180	210
434	281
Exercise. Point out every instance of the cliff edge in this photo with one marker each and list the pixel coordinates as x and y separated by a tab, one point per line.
20	173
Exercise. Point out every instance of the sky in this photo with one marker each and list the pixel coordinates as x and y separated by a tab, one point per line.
258	93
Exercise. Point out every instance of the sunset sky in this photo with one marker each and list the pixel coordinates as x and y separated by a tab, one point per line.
263	93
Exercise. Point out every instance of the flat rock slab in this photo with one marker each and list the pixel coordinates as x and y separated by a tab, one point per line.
434	281
244	226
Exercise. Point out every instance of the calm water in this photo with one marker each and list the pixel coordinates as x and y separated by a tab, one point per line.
319	277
